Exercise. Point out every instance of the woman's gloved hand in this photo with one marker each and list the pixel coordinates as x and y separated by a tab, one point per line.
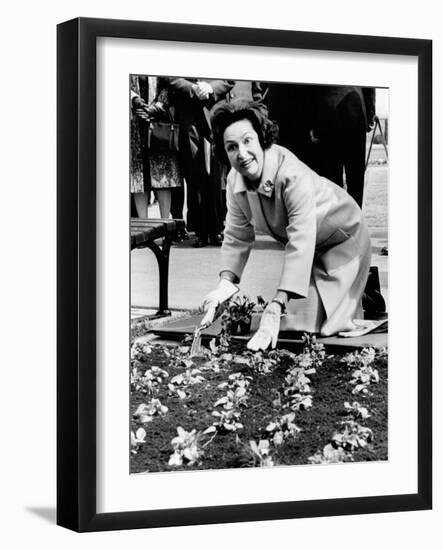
224	290
268	330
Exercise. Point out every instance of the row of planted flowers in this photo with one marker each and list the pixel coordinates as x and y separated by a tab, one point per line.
294	396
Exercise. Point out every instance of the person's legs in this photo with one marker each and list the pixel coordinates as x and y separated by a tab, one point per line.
164	201
354	150
187	152
330	156
141	204
177	201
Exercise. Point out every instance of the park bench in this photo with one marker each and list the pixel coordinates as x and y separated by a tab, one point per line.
157	235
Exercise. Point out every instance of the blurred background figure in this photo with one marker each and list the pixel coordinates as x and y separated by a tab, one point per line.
291	107
325	126
343	116
193	99
139	166
154	165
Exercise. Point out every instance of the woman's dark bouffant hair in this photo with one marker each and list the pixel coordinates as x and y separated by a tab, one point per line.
227	113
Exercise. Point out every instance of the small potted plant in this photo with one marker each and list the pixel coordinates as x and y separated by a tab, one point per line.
236	318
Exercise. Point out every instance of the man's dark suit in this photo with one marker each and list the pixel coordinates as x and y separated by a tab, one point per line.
324	126
290	106
202	188
343	116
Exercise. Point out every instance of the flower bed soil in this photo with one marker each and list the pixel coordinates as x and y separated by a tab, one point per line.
330	385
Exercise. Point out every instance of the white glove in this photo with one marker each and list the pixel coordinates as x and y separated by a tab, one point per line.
204	90
268	330
224	290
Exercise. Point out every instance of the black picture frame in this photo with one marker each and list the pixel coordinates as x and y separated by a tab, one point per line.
76	279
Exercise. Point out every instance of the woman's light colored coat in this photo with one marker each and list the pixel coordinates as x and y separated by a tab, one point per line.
327	248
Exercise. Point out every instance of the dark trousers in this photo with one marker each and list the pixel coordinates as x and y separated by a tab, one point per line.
205	208
344	149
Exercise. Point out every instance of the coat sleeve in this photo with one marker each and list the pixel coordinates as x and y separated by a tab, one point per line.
299	199
181	86
221	88
162	94
369	98
239	235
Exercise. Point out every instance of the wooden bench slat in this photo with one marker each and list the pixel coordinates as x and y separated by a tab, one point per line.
169	224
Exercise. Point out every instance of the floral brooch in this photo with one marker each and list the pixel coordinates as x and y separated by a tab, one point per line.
268	186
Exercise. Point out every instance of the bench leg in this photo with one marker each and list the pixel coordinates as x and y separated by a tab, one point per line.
163	268
162	255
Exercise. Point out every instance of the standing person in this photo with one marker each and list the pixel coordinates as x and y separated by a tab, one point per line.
140	179
343	116
163	165
291	107
327	247
193	99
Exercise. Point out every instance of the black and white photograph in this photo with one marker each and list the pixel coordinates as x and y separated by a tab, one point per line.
258	273
222	309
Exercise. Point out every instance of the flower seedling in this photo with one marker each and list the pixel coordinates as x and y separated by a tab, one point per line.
282	428
186	448
353	436
314	350
236	380
233	399
238	310
139	351
137	439
150	381
187	378
363	358
362	378
147	411
297	390
257	361
227	420
260	453
299	402
330	455
356	410
297	382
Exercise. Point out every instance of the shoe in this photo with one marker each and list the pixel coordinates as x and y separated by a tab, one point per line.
374	305
180	236
215	240
200	242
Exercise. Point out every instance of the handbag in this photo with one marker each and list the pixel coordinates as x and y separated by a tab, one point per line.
163	134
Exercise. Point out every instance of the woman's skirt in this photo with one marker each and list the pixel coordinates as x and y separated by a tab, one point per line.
334	297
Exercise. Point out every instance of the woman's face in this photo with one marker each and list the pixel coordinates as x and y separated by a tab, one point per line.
243	148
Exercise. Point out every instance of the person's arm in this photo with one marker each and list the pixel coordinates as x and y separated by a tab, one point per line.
259	91
369	98
181	86
239	235
281	297
298	198
228	275
220	88
163	92
298	195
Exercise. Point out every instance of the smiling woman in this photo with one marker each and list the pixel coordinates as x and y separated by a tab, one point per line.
327	247
244	150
